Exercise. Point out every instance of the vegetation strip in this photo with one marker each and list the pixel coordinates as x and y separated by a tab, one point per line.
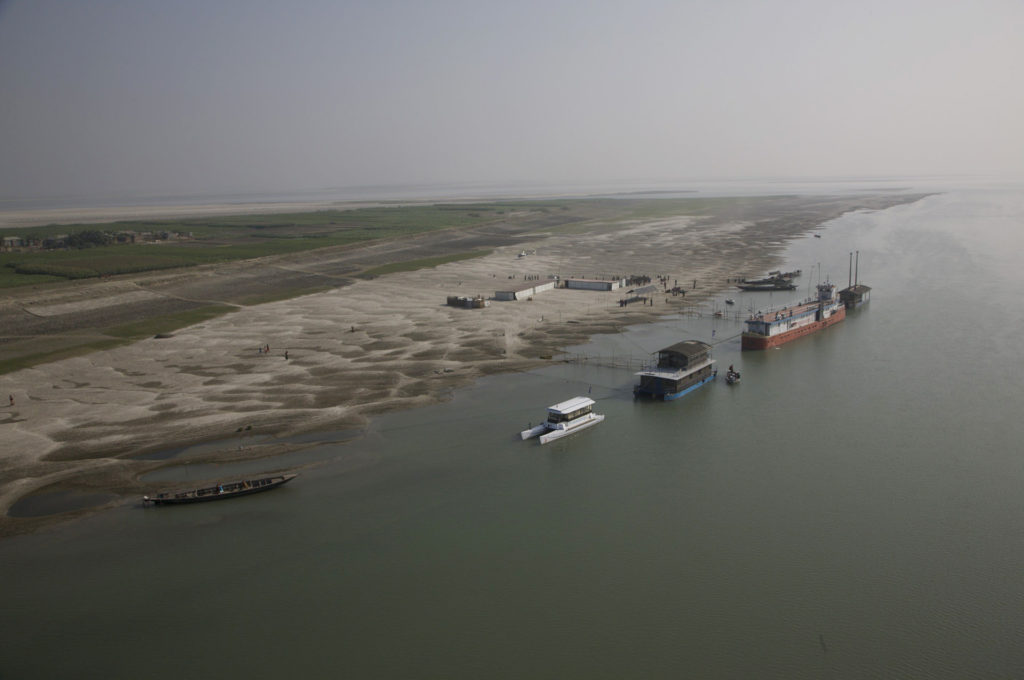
75	251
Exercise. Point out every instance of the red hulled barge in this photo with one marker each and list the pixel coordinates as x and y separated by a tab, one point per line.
771	329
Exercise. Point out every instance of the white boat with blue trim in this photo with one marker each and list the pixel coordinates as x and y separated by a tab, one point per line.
565	418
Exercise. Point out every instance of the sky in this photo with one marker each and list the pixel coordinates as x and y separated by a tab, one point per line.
155	98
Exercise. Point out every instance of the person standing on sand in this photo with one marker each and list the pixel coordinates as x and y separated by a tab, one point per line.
11	397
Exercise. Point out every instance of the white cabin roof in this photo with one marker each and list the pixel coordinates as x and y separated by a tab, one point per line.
570	405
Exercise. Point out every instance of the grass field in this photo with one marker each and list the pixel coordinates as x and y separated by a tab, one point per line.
240	237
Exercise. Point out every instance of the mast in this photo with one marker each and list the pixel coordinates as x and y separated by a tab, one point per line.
849	277
855	271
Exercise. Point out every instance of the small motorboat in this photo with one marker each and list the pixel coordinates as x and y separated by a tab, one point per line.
730	301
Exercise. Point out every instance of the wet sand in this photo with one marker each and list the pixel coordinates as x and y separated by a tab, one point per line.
372	346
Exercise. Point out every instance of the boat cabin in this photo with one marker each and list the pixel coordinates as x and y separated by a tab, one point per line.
569	410
771	324
681	367
684	355
855	295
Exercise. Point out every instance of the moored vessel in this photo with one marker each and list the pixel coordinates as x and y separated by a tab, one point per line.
776	280
219	491
774	283
681	368
765	330
855	294
565	418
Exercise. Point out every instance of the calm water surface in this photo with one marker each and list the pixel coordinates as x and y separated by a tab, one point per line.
853	509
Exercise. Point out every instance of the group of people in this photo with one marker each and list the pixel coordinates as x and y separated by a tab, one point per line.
733	375
265	349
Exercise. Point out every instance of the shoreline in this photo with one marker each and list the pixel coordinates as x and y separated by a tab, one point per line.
355	351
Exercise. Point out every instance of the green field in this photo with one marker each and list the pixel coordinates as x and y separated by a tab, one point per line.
240	237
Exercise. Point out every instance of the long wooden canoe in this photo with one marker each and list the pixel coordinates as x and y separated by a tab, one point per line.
219	491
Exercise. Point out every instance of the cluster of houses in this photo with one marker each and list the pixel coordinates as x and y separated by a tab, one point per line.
531	288
527	289
65	241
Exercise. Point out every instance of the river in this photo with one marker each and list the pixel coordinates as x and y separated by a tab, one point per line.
852	508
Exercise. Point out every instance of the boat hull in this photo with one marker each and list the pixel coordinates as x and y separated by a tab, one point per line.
754	341
533	432
552	435
675	395
230	490
758	288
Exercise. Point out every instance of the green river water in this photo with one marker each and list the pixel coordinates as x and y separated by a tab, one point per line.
853	509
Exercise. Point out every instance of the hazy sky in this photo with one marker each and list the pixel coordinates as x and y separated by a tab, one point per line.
158	97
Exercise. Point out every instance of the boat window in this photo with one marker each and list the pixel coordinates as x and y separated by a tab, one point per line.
565	417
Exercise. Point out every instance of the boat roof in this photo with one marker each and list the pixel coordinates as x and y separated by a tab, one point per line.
784	312
688	348
570	405
675	373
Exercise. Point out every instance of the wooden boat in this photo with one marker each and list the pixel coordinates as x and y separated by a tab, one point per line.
220	491
767	284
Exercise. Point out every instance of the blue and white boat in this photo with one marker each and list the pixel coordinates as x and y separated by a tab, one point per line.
681	368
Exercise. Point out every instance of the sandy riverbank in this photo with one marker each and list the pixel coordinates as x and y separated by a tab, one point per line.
377	345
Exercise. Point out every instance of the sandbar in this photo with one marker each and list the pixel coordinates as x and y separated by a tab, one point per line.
356	350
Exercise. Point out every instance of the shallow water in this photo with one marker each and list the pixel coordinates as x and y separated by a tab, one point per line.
54	502
851	509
